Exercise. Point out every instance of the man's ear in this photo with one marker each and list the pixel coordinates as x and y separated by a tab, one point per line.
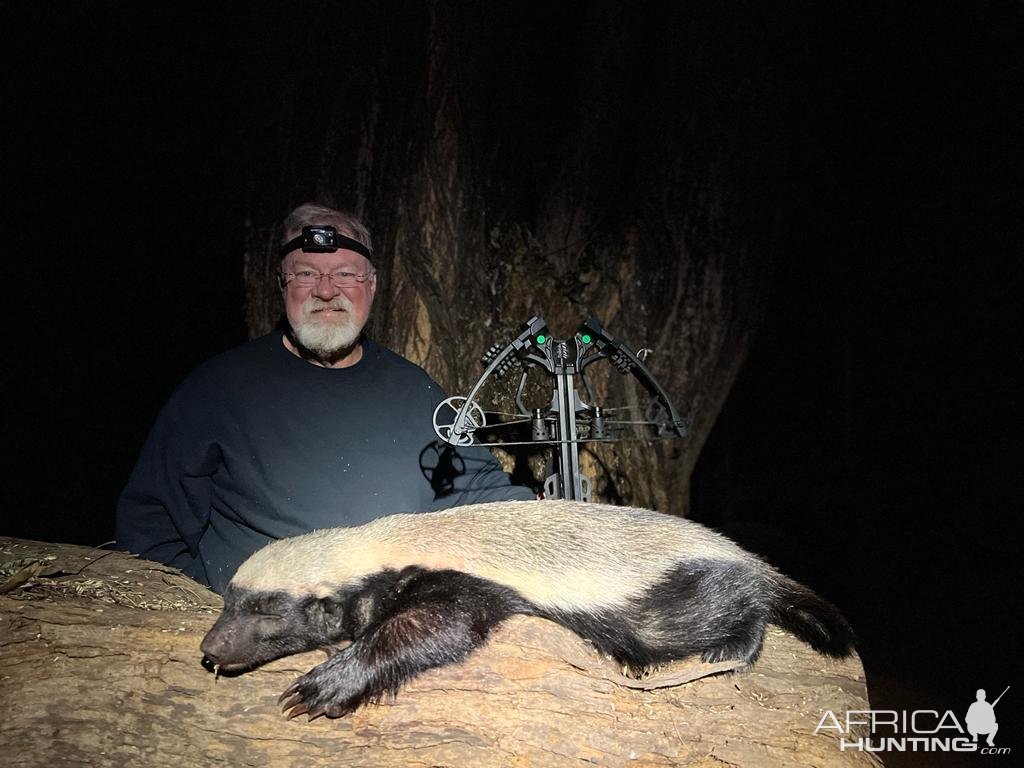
280	277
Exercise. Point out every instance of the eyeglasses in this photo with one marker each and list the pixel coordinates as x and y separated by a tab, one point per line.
309	277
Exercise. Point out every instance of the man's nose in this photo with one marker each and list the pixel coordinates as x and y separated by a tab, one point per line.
325	288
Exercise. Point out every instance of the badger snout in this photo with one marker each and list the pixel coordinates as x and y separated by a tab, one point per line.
238	643
227	646
214	646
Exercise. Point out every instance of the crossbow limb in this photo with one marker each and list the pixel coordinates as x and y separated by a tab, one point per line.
569	419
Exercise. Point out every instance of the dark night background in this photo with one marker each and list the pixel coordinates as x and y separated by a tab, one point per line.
870	445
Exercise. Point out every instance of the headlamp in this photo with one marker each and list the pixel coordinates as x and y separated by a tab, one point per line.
323	238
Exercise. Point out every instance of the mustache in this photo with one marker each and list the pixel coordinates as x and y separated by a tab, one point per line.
314	304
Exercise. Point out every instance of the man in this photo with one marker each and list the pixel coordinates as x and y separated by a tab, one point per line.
309	427
981	718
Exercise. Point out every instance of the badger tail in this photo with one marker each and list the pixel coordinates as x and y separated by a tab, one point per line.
812	619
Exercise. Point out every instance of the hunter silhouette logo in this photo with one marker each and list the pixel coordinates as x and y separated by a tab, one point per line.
981	717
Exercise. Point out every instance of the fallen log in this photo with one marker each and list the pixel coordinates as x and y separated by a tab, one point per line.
100	665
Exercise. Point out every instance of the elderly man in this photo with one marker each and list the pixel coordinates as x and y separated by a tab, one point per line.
311	426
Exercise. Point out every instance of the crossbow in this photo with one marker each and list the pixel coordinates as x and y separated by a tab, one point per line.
567	420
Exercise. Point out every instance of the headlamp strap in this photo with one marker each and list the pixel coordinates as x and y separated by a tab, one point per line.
323	238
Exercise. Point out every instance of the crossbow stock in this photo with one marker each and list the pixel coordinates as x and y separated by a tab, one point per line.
567	420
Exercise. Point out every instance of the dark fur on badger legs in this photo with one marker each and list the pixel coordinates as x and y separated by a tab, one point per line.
434	618
414	592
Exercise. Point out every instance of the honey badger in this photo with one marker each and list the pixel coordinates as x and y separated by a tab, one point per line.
416	591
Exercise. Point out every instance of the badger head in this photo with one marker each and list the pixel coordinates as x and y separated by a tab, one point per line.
257	627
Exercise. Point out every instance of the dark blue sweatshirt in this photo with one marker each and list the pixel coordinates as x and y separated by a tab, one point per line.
257	444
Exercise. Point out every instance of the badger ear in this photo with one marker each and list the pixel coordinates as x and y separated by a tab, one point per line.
326	614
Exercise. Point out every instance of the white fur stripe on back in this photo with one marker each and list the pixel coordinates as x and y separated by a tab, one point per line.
571	555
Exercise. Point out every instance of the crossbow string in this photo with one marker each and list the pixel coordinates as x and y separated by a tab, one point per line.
568	419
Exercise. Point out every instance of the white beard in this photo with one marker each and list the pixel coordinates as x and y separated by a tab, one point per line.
327	335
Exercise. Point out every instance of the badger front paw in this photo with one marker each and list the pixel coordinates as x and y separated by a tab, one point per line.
332	689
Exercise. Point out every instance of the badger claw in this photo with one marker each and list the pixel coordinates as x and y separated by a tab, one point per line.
309	695
291	690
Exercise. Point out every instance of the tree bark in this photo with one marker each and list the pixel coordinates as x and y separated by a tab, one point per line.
100	665
565	175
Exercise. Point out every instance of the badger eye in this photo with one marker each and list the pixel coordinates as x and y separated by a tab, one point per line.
270	606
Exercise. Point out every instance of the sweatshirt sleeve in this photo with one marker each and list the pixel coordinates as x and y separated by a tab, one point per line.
471	475
165	506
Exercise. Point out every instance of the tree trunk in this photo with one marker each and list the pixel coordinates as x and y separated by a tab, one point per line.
563	174
100	665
